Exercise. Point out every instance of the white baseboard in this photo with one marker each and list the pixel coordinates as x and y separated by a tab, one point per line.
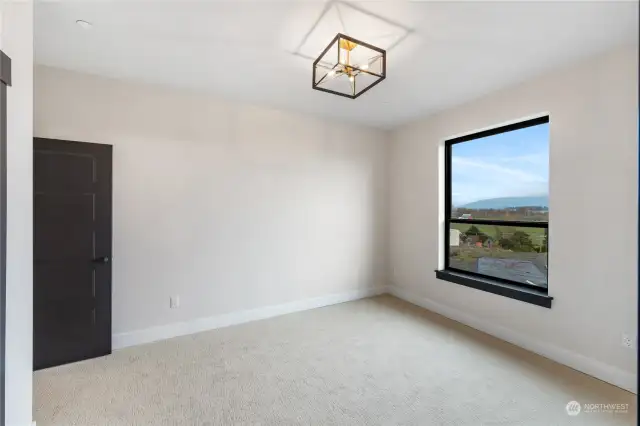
610	374
153	334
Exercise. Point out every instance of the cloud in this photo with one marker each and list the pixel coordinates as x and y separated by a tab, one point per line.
479	164
539	159
476	178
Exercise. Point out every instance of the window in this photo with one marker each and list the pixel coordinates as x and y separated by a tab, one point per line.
497	209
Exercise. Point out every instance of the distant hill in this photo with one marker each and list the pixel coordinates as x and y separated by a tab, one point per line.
505	202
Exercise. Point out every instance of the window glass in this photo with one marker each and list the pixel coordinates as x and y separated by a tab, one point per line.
498	187
502	177
511	253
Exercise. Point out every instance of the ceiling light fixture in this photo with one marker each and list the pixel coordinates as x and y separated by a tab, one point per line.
85	25
334	71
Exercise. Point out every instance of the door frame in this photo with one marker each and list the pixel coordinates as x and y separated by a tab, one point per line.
5	81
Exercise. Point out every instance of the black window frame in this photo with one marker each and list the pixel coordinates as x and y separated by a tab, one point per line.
509	288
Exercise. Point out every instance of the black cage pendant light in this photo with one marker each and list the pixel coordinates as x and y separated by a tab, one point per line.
349	67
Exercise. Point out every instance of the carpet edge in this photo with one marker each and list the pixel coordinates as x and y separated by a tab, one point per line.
613	375
167	331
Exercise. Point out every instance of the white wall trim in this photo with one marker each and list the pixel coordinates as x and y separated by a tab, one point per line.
610	374
153	334
598	369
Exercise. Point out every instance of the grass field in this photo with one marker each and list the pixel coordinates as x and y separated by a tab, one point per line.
536	234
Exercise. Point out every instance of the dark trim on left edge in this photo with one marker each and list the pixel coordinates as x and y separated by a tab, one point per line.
5	81
5	69
496	287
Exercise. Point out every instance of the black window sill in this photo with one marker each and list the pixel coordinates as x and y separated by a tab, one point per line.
496	287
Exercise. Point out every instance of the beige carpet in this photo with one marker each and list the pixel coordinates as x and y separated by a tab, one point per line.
378	361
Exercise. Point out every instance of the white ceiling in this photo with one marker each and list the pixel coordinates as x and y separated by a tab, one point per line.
448	52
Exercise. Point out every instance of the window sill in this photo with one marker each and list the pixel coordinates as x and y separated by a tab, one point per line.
496	287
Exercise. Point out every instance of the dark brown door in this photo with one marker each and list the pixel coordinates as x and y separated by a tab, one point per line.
72	251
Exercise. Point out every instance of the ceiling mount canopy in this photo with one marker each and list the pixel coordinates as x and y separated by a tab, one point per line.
349	67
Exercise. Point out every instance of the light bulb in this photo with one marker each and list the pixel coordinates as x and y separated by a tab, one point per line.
364	67
331	73
351	79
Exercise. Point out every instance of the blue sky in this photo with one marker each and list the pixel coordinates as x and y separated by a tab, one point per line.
512	164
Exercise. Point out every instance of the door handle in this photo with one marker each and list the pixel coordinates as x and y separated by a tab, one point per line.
103	259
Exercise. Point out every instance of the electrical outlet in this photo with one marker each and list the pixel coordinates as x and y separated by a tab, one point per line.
174	302
627	341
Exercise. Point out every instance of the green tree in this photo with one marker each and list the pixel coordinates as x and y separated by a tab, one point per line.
545	242
518	241
475	231
498	234
506	243
522	241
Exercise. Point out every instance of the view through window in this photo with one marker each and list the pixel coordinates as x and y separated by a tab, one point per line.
497	200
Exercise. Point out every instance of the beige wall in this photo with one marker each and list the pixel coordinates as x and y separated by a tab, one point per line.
593	232
17	42
234	207
229	206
